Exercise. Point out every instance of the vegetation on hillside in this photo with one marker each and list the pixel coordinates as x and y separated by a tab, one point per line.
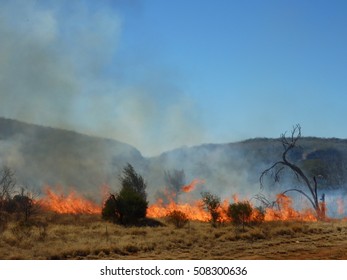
73	159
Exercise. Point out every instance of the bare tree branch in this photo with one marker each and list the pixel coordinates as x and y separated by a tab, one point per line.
289	143
303	193
264	201
266	171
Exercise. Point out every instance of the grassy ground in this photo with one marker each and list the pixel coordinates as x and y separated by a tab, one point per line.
87	237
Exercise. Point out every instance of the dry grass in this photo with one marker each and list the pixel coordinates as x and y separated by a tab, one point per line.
87	237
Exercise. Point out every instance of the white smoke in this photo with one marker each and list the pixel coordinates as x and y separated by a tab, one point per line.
61	65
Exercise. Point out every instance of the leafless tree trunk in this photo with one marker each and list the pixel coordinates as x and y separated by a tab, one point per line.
289	143
7	186
175	180
7	183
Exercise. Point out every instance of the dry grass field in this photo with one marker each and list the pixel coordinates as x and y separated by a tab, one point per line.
88	237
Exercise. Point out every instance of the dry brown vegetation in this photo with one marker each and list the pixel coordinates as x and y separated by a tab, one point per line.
88	237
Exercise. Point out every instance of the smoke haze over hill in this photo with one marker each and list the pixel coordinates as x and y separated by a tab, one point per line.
43	156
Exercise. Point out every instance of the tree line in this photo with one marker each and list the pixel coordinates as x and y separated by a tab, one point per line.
15	201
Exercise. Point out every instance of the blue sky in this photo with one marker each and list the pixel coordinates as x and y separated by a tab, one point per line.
162	74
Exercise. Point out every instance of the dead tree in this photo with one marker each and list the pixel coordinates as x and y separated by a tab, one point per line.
26	204
289	143
7	185
7	182
175	180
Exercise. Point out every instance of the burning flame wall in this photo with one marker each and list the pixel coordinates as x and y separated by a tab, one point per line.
74	203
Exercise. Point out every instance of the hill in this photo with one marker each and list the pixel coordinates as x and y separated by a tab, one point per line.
42	155
236	167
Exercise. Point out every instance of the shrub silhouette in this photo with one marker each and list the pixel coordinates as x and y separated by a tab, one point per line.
178	218
108	212
240	212
212	204
130	204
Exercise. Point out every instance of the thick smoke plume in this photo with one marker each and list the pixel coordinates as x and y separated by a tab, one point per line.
65	64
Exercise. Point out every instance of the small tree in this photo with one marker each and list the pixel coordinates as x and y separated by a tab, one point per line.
240	213
7	186
212	204
131	180
130	204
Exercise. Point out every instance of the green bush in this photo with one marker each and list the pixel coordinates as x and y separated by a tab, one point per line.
130	204
108	212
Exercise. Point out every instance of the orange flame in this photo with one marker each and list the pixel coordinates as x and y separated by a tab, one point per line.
285	211
340	206
190	187
73	203
195	210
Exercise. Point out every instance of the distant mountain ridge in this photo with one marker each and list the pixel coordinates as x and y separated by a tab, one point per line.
41	155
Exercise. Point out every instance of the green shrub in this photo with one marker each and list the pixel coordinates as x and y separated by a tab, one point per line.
108	212
130	204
